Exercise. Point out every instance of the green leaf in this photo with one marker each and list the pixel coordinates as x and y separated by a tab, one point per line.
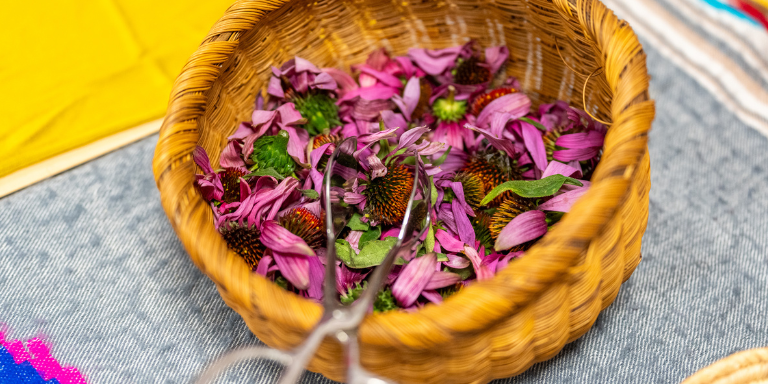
265	172
534	123
441	257
547	186
310	193
429	242
442	158
344	251
385	301
371	234
464	274
353	293
356	225
433	193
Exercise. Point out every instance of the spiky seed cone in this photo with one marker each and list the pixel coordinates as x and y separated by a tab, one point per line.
320	110
387	197
321	140
230	180
483	100
245	242
474	188
481	223
272	152
469	72
425	93
303	223
507	211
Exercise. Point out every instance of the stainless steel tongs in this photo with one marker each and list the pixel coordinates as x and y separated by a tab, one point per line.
340	322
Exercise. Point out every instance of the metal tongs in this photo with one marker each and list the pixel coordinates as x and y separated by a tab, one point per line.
341	322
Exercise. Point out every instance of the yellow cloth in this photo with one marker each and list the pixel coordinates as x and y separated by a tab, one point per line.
75	71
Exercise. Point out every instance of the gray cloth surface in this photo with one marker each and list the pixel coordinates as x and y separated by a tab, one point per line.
88	259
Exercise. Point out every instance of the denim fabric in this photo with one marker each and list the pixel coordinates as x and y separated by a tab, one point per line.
88	260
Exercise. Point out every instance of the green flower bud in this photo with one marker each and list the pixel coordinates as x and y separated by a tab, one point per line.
272	152
449	109
321	112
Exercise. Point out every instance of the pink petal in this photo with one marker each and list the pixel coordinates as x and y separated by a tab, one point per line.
432	296
450	243
376	92
243	130
456	261
563	202
482	271
516	105
394	120
376	136
325	81
200	158
288	114
442	279
377	167
410	99
408	68
434	62
316	278
303	65
275	88
463	225
298	138
580	140
501	144
525	227
581	154
263	267
295	268
535	145
383	77
260	117
458	190
558	168
496	57
347	278
230	157
378	59
414	277
345	82
410	137
277	238
317	154
504	261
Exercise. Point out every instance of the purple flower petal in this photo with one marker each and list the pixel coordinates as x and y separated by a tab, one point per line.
383	77
316	278
414	277
434	62
581	154
279	239
580	140
501	144
481	270
410	137
463	225
262	118
432	296
563	202
325	81
394	120
303	65
410	99
442	279
264	265
200	158
275	88
344	81
456	261
535	145
347	278
445	215
295	268
525	227
450	243
230	157
376	136
243	130
298	138
288	115
558	168
458	191
377	167
376	92
504	261
408	68
516	105
496	57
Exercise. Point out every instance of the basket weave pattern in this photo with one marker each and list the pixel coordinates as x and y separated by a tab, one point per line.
492	329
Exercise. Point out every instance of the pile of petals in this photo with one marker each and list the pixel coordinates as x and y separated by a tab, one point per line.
502	174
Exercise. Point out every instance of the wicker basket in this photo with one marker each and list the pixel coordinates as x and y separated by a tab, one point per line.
492	329
746	367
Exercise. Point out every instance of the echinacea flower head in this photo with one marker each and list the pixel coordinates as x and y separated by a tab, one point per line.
272	152
473	187
230	180
303	223
513	206
482	100
492	168
481	223
387	197
244	240
470	71
521	231
320	140
448	108
320	111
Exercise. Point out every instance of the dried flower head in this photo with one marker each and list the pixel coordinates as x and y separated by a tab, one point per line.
483	100
481	223
474	188
230	180
387	197
470	72
508	210
492	168
303	223
320	140
244	240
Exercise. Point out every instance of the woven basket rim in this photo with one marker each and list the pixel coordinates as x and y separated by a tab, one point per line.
734	369
492	293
